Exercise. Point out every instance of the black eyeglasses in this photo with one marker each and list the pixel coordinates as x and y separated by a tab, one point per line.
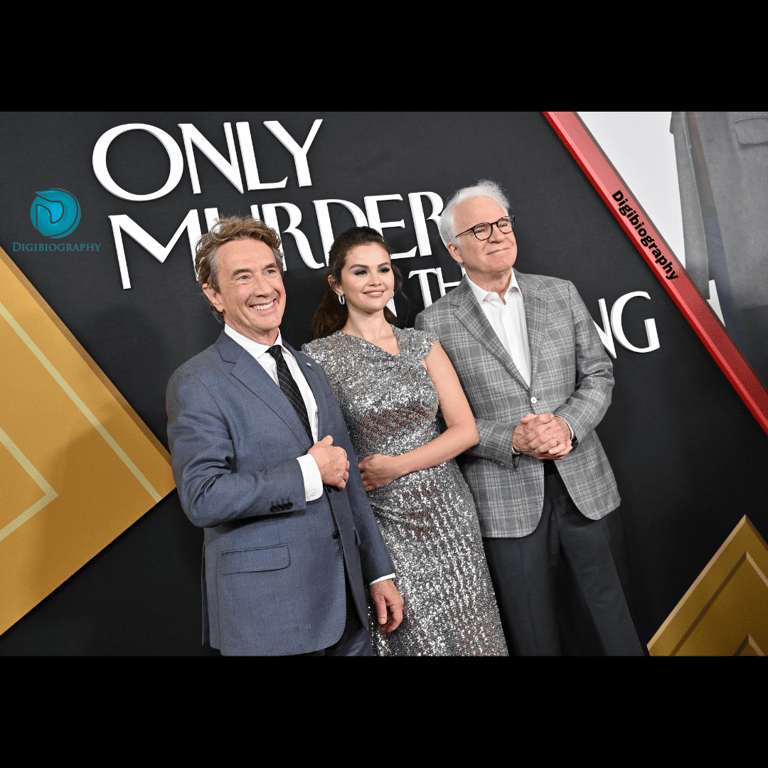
483	231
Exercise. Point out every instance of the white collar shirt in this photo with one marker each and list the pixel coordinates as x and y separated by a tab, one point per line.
313	484
507	318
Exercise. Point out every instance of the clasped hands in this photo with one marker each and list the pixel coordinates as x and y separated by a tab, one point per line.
543	437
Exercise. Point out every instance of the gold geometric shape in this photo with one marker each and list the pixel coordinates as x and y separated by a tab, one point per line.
25	491
78	464
725	611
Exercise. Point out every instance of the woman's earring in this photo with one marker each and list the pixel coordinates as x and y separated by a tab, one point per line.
342	300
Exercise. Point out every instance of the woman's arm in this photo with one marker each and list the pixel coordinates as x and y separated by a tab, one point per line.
460	434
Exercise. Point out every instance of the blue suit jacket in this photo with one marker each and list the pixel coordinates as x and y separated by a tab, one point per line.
274	565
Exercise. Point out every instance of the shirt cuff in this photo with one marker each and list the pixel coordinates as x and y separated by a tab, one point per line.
390	576
313	482
569	426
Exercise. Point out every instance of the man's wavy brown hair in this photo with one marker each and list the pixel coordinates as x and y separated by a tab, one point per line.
225	230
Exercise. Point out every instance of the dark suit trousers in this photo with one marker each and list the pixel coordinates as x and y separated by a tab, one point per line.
525	574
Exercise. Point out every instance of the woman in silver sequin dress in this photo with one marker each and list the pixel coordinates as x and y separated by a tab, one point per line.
390	383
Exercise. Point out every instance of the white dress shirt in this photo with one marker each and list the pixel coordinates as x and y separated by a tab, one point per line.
507	318
313	483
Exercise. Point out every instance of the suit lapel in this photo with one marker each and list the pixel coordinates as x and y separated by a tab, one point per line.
315	384
535	318
251	374
469	313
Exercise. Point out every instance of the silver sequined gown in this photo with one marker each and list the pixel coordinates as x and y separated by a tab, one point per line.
427	517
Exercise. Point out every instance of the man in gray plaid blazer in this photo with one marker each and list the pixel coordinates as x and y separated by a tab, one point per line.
539	381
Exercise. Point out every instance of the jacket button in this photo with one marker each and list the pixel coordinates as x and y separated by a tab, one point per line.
336	534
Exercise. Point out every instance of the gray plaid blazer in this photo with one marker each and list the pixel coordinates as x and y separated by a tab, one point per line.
571	376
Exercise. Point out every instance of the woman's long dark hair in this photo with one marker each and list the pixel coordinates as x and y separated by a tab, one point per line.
331	315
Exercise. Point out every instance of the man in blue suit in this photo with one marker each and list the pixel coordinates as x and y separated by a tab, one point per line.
259	451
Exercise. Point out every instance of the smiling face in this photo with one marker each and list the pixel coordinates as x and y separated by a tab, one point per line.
251	295
485	261
367	280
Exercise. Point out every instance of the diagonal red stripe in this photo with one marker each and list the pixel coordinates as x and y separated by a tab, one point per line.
707	326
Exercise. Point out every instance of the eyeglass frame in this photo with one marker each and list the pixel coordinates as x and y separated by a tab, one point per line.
491	225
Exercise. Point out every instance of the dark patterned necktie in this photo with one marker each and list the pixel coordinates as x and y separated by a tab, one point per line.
290	388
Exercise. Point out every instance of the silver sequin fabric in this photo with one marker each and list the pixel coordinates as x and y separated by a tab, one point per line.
427	517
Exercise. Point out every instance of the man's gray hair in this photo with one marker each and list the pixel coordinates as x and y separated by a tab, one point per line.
483	188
